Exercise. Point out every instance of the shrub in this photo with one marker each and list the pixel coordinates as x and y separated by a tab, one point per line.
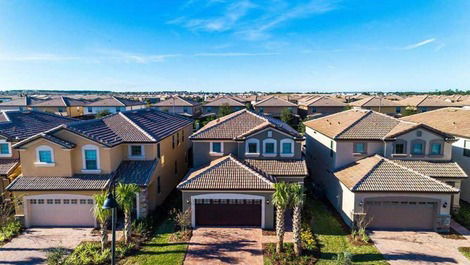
308	240
57	256
287	257
89	253
344	258
10	229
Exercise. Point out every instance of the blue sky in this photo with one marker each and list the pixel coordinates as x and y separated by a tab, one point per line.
241	45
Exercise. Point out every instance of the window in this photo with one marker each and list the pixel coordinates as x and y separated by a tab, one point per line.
90	155
177	138
182	136
61	109
399	148
269	147
66	201
217	148
261	110
436	148
424	109
314	109
419	133
159	154
176	168
50	201
252	146
90	109
73	201
5	149
119	109
44	155
466	148
82	201
57	201
360	148
185	109
418	147
398	110
173	141
159	190
331	149
208	109
287	147
136	151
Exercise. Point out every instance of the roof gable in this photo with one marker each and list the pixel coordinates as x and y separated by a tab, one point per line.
221	101
274	102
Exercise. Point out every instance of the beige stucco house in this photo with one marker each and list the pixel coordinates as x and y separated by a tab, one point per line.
400	174
63	168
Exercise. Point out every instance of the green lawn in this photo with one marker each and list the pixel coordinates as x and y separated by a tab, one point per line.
332	237
465	251
158	250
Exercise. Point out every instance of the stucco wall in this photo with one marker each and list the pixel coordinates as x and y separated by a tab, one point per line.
275	111
276	135
201	151
345	151
464	162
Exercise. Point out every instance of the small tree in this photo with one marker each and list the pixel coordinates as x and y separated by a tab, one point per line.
102	216
102	113
225	109
410	111
287	116
281	202
125	195
296	192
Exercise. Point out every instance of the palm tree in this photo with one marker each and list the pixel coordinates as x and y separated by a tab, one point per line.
102	216
125	196
296	192
281	201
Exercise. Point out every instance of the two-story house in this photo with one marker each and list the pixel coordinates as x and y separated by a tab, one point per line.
23	103
63	106
213	107
423	103
399	174
274	106
379	104
179	105
113	105
454	121
64	167
237	159
318	106
16	126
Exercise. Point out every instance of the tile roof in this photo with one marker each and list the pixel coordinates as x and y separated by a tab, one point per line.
435	169
144	125
48	136
7	165
279	167
226	173
76	182
177	102
455	121
115	101
374	102
21	102
323	101
136	172
425	101
364	124
240	124
24	124
274	102
218	102
60	102
378	174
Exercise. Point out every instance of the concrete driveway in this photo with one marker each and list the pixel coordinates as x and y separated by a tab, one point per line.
31	246
225	246
413	248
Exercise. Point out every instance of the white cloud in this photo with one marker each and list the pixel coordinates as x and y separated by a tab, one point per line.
419	44
129	57
44	57
234	54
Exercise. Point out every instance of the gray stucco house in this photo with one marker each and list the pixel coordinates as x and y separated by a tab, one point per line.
237	160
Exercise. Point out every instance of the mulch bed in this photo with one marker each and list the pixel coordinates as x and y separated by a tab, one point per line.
288	257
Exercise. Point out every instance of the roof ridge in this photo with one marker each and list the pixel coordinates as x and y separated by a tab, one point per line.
63	100
261	101
421	174
136	126
368	112
119	100
227	118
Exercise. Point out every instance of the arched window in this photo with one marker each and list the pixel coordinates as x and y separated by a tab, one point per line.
252	147
436	147
44	155
91	157
269	147
287	147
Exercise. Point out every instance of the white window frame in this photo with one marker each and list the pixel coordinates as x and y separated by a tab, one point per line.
221	153
266	141
251	141
142	156
9	149
44	148
287	140
98	166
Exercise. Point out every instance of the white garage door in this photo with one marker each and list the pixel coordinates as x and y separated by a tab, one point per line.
60	210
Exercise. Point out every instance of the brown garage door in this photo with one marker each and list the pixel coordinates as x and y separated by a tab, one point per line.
407	215
211	212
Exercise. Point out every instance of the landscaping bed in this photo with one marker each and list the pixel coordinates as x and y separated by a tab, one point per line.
462	216
465	251
8	231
